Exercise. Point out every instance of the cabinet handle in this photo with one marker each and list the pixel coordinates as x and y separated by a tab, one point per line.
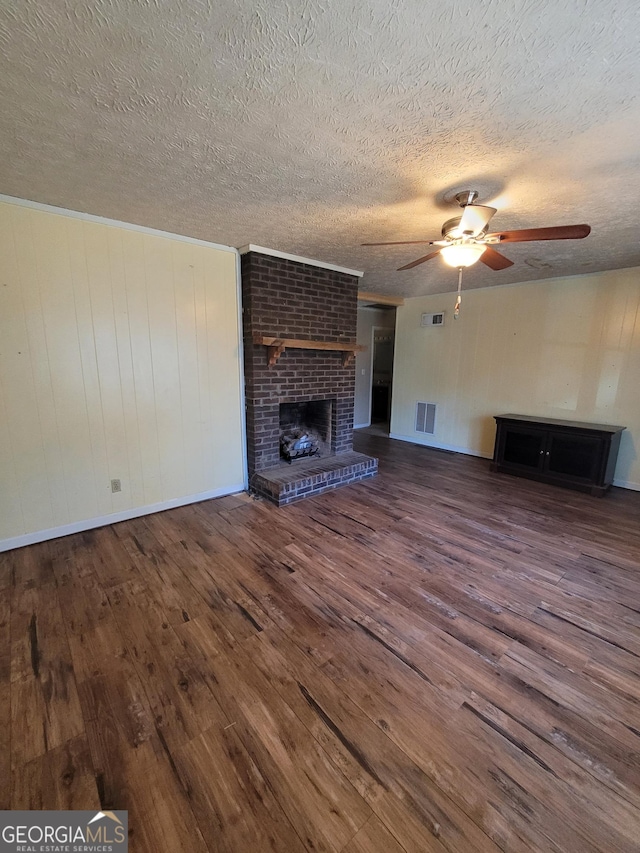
541	452
547	453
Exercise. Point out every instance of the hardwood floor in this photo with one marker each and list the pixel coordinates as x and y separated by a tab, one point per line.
439	659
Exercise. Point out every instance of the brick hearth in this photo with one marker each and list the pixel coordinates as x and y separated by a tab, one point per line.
306	477
290	298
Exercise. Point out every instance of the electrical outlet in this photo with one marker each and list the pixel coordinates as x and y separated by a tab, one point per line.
116	486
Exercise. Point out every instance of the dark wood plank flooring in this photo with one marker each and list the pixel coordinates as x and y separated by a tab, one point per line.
439	659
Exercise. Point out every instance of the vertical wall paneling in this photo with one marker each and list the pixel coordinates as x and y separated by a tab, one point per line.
104	271
187	352
148	483
36	440
164	360
14	386
561	348
98	469
224	359
119	359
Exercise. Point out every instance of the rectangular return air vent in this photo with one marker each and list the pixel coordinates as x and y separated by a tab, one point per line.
426	418
432	319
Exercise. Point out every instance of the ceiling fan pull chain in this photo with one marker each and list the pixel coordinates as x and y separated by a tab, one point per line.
456	310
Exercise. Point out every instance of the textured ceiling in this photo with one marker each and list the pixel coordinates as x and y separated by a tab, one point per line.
311	126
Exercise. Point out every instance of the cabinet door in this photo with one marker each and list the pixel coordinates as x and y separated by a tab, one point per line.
573	456
521	447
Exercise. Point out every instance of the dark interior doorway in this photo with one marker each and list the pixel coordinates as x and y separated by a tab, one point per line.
383	340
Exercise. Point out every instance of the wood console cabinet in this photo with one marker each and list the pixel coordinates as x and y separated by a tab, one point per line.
567	453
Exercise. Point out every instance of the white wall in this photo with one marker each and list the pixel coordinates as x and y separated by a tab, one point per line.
119	358
562	348
367	319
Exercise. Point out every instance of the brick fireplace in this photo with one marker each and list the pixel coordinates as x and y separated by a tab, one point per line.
287	299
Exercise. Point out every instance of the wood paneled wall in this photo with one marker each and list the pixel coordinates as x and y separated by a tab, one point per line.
563	348
119	358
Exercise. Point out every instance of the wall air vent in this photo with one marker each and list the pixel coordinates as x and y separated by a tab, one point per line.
432	319
426	418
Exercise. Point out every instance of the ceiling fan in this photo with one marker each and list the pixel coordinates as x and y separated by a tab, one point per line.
465	239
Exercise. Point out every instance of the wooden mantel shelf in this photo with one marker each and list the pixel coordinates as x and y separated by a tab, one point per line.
276	346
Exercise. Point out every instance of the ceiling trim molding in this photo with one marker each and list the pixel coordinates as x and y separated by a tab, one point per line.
380	298
310	261
113	223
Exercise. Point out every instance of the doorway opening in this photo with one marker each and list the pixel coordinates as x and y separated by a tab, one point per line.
382	346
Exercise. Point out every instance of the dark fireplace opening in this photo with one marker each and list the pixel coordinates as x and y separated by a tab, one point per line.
305	429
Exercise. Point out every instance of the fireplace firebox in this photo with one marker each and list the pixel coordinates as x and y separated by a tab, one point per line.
305	429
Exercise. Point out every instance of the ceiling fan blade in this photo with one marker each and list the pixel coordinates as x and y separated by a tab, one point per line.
400	243
494	259
475	219
420	260
560	232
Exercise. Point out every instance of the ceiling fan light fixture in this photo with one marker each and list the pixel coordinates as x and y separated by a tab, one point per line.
462	254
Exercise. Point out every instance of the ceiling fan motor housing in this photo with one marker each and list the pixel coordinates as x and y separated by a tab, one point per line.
451	226
451	229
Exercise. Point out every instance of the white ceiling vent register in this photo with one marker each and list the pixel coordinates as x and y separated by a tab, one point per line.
432	319
426	418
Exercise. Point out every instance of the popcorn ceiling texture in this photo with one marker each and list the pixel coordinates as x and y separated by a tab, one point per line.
311	126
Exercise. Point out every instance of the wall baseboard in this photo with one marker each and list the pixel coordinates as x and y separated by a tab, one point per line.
627	484
623	484
362	426
113	518
438	445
